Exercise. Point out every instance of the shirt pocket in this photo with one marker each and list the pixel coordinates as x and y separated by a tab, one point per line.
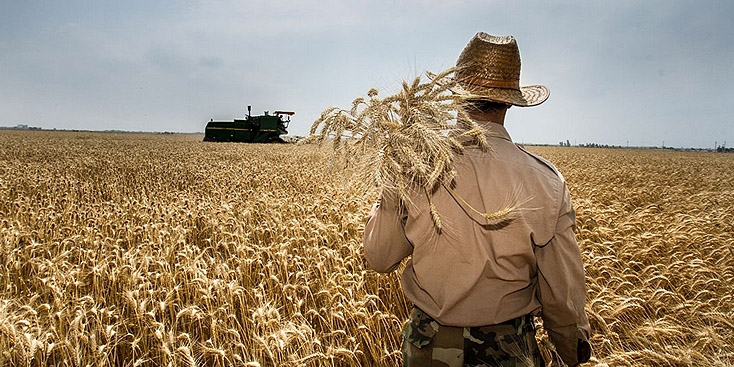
420	329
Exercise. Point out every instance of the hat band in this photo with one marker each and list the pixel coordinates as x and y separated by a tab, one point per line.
504	84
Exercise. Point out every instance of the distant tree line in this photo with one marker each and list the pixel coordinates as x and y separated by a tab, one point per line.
589	145
719	148
595	145
24	127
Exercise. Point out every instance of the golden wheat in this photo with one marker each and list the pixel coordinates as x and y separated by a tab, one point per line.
153	250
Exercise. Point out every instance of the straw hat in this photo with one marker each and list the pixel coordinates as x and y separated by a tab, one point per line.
489	69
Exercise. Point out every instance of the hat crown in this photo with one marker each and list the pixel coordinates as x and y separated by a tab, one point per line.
490	61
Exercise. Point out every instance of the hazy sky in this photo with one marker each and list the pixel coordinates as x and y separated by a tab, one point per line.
641	72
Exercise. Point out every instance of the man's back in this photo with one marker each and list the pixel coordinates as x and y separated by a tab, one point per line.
478	271
482	272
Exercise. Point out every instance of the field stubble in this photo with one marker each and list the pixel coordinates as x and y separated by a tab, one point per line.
148	250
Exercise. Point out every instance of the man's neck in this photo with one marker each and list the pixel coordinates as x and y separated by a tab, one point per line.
497	116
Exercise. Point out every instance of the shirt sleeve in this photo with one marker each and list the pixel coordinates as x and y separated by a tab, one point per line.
561	288
385	244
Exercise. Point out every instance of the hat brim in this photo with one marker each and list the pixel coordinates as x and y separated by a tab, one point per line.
528	96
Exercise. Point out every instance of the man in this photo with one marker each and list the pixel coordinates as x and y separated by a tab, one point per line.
477	284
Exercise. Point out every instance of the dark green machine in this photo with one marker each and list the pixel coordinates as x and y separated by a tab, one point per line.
265	128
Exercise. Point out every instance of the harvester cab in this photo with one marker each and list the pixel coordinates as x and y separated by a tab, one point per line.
265	128
285	117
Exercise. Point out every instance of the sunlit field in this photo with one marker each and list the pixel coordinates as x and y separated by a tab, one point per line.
158	250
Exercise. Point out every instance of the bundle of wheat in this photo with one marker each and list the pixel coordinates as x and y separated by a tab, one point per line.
405	143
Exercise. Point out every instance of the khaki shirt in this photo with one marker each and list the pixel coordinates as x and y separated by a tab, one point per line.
477	273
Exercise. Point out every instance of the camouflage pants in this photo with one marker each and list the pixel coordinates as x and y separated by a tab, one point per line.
509	344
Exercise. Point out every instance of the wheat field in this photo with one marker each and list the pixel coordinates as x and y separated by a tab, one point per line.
161	250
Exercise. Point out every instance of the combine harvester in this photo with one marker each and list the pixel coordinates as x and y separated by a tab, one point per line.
265	128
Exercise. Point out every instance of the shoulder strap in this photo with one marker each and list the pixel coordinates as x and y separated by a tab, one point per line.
542	160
